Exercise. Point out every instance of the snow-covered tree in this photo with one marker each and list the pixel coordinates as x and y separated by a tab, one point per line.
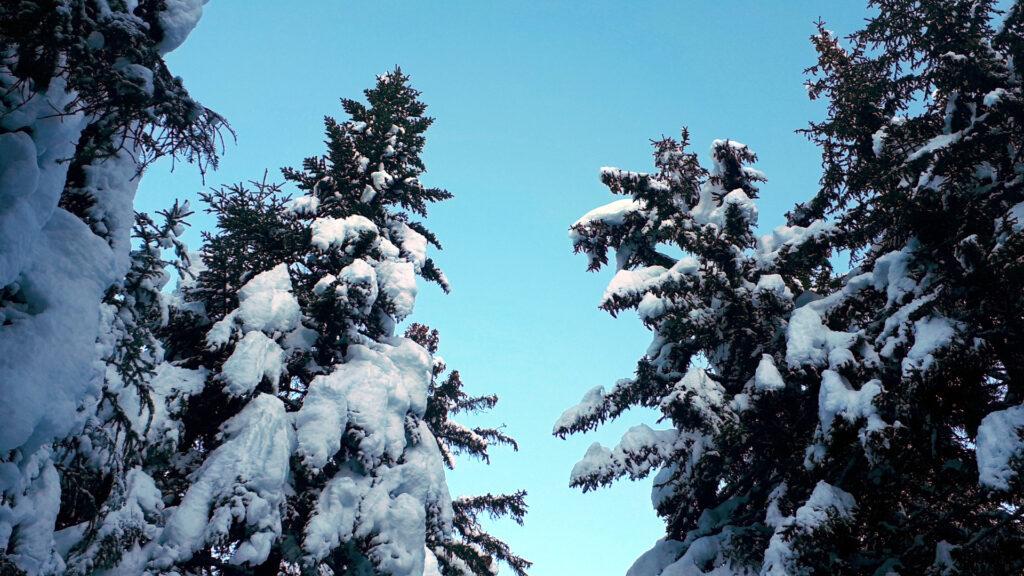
473	551
320	438
860	423
109	504
86	102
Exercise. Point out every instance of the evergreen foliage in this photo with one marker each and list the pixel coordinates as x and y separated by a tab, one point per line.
868	422
319	437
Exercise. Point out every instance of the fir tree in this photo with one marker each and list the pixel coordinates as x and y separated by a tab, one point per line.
860	423
320	439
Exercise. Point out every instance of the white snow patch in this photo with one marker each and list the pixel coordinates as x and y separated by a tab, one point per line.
1000	441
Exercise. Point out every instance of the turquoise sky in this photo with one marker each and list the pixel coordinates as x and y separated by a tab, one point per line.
531	98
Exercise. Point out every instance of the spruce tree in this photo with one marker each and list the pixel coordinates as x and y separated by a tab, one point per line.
86	103
109	503
320	438
867	422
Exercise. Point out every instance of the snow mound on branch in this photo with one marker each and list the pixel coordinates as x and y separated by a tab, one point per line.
826	502
254	358
836	398
640	450
767	377
412	244
810	342
372	392
390	506
265	303
628	284
397	282
613	213
1000	441
33	513
170	385
587	408
651	563
243	481
791	238
699	394
40	391
336	232
931	334
735	200
177	20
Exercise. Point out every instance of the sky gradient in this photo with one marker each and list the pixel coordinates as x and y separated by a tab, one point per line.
530	100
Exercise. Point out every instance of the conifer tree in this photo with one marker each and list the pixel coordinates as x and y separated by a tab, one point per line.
860	423
86	103
320	438
109	504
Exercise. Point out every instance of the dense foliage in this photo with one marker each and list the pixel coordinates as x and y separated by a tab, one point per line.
868	422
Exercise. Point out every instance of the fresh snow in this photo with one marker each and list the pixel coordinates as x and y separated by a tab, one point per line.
336	232
254	358
767	377
1000	441
243	481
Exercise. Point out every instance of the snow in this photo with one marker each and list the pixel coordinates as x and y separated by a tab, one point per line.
772	284
767	377
613	213
28	518
254	358
825	501
132	520
630	284
389	506
789	238
1000	441
397	282
336	232
64	283
837	398
265	303
878	140
698	393
993	97
810	343
412	243
372	391
654	561
588	407
891	273
177	20
641	450
937	143
931	334
357	278
243	481
169	387
381	180
59	270
738	199
303	205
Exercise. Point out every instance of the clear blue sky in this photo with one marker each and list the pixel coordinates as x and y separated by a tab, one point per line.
531	98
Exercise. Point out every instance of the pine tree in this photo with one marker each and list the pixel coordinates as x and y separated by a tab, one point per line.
320	438
860	423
